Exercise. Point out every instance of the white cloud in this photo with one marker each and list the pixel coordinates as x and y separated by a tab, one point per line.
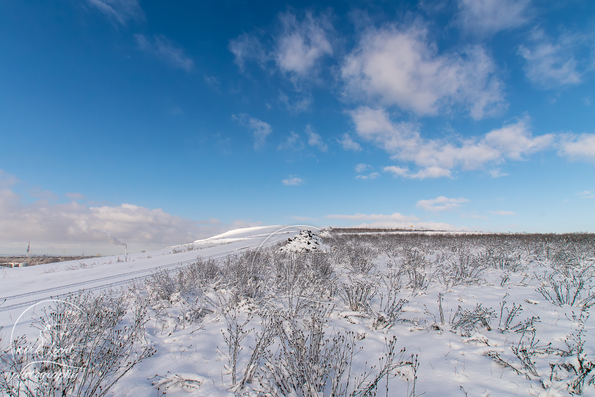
259	128
302	44
361	167
373	175
314	139
303	218
247	47
119	10
491	16
164	49
437	158
441	203
349	144
502	213
7	179
292	142
496	173
515	140
402	67
300	100
397	171
72	224
577	147
394	217
42	194
75	196
587	194
551	65
395	220
297	48
430	172
475	216
292	181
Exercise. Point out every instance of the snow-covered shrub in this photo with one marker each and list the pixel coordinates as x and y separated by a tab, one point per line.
568	287
417	268
462	267
357	294
466	321
507	317
234	333
249	273
202	272
360	257
85	346
390	310
308	362
163	284
302	277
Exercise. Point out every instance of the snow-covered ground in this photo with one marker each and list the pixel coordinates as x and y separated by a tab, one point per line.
475	315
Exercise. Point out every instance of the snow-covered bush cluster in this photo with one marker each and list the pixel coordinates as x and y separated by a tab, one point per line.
86	344
373	314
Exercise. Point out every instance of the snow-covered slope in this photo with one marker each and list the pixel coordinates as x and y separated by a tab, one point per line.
23	287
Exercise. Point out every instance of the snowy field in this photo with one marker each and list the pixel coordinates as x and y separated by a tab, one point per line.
269	311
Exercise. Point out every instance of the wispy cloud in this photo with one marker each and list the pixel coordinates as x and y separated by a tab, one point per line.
76	196
314	139
292	141
164	49
7	179
475	216
361	167
42	194
372	175
496	173
441	203
292	181
395	220
393	66
502	213
303	218
577	147
587	194
259	128
297	101
119	10
429	172
491	16
348	143
247	47
437	158
551	64
395	217
365	167
295	50
302	43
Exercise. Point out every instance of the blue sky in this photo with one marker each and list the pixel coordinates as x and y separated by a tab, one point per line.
155	123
